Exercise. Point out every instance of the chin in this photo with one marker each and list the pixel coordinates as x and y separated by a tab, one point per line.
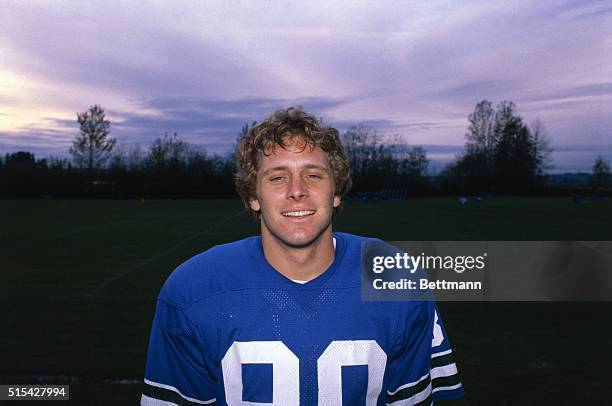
294	236
298	241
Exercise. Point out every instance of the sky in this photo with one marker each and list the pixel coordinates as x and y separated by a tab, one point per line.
408	69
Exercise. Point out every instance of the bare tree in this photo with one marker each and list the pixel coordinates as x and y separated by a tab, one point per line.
416	162
601	173
541	145
480	136
170	151
362	145
93	145
501	151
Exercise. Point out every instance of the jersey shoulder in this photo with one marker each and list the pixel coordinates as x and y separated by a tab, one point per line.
357	243
222	267
352	245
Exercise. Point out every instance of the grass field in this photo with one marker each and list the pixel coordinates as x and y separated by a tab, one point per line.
79	281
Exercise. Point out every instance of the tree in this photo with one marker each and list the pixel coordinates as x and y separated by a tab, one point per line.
22	175
364	149
476	166
515	165
480	137
601	173
93	145
501	152
416	163
541	147
168	152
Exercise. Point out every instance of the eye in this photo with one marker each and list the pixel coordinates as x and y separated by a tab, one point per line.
314	176
276	179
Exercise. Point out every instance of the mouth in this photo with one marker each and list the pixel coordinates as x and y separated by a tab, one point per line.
298	213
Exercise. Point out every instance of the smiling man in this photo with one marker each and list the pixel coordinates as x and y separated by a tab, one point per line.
278	318
295	200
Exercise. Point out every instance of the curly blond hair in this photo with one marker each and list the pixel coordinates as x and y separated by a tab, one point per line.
280	129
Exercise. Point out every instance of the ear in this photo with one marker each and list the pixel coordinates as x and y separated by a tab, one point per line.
255	206
337	201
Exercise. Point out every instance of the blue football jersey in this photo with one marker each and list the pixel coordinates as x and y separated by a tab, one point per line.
231	330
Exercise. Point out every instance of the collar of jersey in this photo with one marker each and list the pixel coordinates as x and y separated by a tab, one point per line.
265	266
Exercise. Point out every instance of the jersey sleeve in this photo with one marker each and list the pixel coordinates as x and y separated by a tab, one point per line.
422	369
176	372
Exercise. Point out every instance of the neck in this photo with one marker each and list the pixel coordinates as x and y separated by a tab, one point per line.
302	263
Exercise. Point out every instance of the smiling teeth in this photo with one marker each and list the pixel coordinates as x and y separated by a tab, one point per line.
298	213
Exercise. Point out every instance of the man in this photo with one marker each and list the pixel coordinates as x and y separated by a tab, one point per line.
277	319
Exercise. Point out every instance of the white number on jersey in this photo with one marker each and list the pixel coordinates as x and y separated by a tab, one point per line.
347	353
285	367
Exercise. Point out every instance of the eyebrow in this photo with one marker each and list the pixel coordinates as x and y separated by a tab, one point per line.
284	168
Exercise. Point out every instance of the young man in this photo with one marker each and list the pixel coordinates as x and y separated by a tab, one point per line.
277	319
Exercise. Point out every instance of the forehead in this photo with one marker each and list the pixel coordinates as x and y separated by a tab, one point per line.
294	154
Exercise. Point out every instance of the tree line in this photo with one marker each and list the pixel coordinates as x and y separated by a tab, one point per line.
502	154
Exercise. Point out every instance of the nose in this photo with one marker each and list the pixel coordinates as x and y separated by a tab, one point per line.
297	189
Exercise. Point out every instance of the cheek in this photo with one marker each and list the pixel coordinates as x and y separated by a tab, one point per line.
267	198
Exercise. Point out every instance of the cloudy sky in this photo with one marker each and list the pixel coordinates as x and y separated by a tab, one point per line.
205	68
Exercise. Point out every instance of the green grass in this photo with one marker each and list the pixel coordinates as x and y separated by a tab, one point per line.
503	218
80	280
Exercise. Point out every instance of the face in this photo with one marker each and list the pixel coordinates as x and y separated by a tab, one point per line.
295	193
